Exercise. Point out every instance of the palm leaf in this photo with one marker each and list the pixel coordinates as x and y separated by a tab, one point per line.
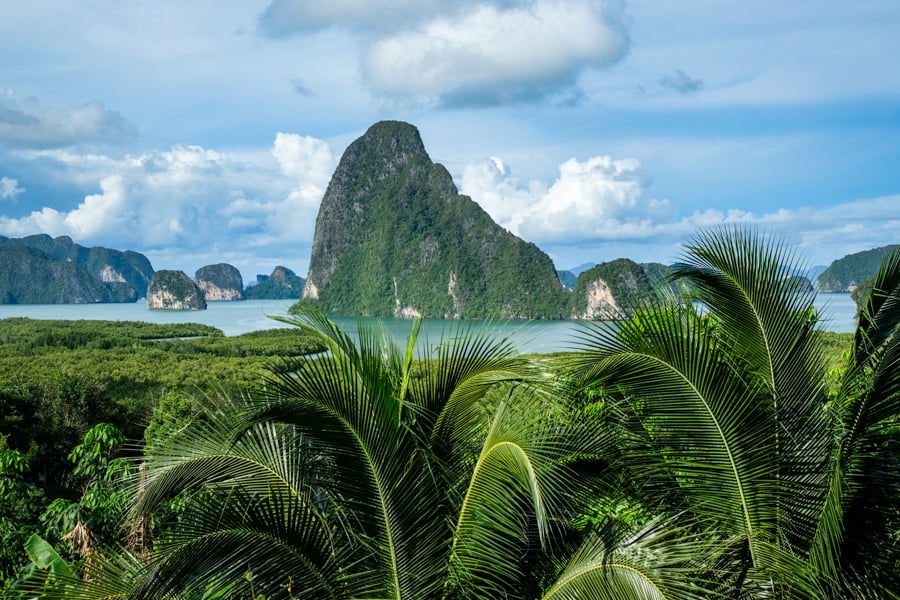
716	436
658	561
862	513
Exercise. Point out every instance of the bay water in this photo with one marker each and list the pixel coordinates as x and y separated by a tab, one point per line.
233	318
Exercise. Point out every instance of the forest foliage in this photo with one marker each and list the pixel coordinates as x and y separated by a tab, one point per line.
61	380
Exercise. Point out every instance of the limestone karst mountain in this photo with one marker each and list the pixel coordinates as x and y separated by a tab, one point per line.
38	269
174	290
610	290
395	238
104	264
220	282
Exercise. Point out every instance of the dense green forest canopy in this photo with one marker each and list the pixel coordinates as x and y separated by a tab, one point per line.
59	379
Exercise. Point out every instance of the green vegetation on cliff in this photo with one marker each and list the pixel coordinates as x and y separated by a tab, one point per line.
126	273
610	290
220	282
395	238
29	276
852	270
174	290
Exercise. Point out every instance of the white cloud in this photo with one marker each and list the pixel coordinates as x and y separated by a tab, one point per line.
493	54
598	209
104	214
303	157
190	197
9	188
26	123
599	197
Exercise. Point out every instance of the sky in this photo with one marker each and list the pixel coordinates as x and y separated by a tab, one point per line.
207	131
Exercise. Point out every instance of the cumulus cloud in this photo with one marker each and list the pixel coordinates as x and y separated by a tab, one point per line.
190	198
27	123
598	197
681	82
466	53
491	54
599	209
9	188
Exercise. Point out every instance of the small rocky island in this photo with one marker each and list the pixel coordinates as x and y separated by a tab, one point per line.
174	290
280	285
610	290
220	282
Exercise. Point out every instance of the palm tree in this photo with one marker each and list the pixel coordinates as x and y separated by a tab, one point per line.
726	421
364	473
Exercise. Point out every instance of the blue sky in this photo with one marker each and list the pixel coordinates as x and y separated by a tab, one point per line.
206	131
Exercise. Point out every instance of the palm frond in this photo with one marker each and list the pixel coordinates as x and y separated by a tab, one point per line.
717	438
519	482
862	513
656	562
767	322
264	544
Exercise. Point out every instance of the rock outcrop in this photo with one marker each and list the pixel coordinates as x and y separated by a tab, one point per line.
220	282
395	238
29	276
174	290
282	284
610	290
119	270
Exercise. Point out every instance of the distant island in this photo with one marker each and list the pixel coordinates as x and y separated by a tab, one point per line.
853	270
282	284
38	269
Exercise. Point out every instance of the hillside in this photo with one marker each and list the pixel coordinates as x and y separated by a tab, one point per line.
174	290
845	274
29	276
103	264
394	238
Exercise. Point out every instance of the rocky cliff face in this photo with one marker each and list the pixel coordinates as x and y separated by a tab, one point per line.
220	282
394	238
282	284
29	276
610	290
174	290
122	270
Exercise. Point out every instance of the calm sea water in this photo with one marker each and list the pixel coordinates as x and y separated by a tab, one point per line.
234	318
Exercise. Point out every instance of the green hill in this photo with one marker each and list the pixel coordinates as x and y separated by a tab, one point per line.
845	274
174	290
29	276
220	282
610	290
103	264
394	238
